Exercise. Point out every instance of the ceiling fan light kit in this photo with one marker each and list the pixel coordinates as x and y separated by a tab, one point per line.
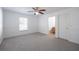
36	13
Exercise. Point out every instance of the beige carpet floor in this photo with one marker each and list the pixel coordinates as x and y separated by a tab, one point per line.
37	42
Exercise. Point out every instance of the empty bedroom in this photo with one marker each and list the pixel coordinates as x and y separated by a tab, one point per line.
39	29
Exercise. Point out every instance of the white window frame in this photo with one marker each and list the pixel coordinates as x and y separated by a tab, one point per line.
23	24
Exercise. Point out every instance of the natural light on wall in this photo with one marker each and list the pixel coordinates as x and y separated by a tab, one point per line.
51	22
23	24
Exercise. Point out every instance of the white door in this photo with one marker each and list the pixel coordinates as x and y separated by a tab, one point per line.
64	26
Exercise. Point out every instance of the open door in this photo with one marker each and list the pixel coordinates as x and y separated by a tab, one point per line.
51	24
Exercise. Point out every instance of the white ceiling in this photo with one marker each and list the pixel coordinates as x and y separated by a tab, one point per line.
25	9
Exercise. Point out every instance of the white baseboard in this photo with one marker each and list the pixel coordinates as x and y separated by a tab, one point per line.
20	35
76	42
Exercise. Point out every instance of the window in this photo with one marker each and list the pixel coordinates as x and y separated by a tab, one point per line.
23	24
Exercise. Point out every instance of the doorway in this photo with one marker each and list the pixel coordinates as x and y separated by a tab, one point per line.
51	25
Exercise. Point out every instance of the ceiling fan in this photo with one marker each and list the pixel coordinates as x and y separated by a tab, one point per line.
37	10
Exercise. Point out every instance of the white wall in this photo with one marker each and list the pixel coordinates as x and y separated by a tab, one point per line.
1	25
40	24
73	26
11	21
43	24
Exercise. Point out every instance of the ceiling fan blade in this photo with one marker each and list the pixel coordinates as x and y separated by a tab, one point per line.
33	8
37	8
41	12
